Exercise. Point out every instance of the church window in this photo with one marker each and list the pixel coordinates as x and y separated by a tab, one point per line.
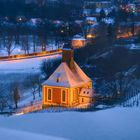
63	96
49	94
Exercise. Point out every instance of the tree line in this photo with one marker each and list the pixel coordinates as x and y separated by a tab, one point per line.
13	8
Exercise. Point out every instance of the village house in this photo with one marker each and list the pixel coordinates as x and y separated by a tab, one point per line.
78	41
93	7
68	86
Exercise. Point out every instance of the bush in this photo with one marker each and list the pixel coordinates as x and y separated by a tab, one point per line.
49	66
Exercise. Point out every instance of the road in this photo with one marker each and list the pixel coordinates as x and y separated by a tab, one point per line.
33	55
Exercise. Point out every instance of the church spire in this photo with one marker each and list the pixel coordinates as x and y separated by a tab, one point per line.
68	55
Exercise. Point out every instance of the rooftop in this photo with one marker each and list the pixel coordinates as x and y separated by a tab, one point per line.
65	77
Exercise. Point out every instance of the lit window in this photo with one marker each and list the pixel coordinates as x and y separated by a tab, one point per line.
63	96
49	94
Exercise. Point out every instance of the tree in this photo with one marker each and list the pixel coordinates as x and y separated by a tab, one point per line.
5	98
102	14
133	29
39	82
110	30
48	67
25	44
16	96
34	81
8	44
3	103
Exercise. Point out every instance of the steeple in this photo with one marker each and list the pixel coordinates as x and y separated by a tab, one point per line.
68	55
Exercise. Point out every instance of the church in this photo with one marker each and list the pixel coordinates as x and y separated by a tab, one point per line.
68	86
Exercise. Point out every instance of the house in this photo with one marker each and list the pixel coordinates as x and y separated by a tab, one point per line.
78	41
93	7
91	20
68	86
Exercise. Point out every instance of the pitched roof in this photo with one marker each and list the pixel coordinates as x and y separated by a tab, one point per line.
65	77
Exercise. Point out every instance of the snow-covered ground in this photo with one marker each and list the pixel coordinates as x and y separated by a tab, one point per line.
16	135
24	65
111	124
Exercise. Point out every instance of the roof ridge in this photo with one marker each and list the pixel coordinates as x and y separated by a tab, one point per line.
67	71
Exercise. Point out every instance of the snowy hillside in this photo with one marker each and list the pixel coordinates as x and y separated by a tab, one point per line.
112	124
24	65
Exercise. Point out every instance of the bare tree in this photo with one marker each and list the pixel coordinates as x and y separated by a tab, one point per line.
3	99
34	43
8	44
39	85
16	96
33	82
3	103
25	44
118	85
48	67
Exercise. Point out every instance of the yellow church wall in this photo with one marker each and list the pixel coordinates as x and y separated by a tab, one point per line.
56	96
85	100
73	97
73	100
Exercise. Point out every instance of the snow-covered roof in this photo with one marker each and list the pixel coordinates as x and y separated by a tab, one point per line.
78	37
108	20
91	19
65	77
86	92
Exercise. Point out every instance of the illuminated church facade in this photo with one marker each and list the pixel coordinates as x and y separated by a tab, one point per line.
68	86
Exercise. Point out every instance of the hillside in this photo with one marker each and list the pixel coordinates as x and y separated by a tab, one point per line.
112	124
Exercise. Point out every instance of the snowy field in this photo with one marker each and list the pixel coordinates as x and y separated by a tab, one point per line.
18	71
111	124
24	65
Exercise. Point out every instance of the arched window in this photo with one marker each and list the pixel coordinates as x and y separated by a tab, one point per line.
63	96
49	94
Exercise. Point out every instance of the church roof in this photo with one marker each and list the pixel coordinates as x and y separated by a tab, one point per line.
65	77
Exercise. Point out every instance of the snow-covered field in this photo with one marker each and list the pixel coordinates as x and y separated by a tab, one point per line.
30	65
111	124
18	71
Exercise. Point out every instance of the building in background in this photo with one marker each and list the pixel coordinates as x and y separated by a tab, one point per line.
78	41
93	7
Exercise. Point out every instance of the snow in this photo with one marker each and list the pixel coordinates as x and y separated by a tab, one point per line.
94	19
78	37
24	65
66	77
27	99
12	135
135	47
107	10
108	20
111	124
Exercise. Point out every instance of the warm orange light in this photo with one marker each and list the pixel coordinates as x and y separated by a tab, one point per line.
78	43
90	36
62	31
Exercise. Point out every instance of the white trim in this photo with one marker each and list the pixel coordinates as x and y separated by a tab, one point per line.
44	94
